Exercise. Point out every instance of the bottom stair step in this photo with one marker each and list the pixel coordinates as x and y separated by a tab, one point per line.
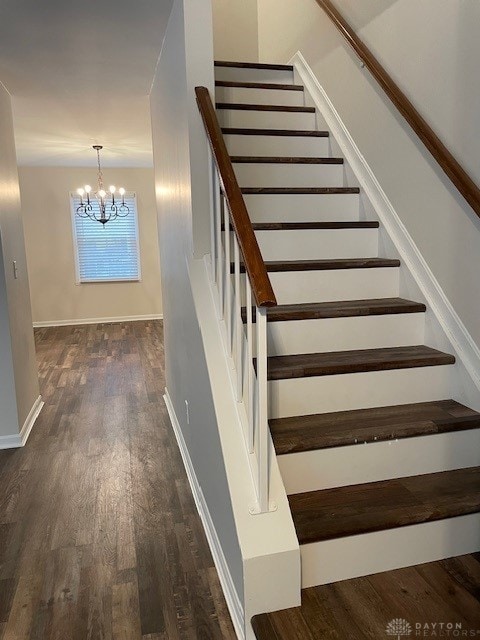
377	506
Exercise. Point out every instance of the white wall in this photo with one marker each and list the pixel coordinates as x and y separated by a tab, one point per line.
185	367
431	49
235	30
56	298
258	556
18	368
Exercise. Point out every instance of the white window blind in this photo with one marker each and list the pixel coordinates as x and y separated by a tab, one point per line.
107	252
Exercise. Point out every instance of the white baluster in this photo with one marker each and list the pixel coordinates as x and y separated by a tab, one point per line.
262	410
220	270
238	324
227	310
249	365
215	216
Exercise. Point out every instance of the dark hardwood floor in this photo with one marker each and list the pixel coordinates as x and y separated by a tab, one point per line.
100	538
99	535
438	593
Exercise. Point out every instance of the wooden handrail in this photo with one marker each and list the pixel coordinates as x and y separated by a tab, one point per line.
460	178
252	258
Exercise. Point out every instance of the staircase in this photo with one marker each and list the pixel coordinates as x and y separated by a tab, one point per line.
380	462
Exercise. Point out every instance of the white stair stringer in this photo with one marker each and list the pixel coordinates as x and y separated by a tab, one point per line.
375	461
352	556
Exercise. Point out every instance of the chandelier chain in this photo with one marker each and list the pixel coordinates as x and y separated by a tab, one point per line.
100	173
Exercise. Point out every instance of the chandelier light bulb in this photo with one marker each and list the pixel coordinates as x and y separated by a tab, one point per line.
112	189
88	188
102	193
121	191
80	192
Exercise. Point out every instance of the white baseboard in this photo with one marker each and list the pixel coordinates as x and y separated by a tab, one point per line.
19	440
467	350
233	601
67	323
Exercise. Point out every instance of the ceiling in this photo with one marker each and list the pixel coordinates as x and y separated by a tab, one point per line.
80	73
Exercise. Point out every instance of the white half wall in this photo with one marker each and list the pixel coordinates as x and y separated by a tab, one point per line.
18	368
436	68
257	556
185	367
56	297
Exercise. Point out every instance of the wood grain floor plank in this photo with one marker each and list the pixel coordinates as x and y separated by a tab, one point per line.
360	609
99	535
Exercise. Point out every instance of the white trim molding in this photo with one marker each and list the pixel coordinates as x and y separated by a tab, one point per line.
19	439
462	342
231	596
77	321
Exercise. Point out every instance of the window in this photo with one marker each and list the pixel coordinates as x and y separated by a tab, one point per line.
110	252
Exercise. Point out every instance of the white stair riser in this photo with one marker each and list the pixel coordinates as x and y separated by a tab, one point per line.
259	96
254	75
354	556
247	145
293	287
323	394
297	121
343	334
373	462
289	175
302	208
311	244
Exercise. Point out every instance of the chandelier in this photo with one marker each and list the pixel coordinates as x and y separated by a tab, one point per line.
104	207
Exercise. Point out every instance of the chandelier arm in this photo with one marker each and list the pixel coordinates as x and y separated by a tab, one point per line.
84	211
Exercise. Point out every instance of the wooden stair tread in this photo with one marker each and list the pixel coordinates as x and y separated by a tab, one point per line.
288	226
259	85
328	265
346	428
356	361
376	506
274	266
323	265
252	65
284	160
296	226
241	106
341	309
299	190
240	131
